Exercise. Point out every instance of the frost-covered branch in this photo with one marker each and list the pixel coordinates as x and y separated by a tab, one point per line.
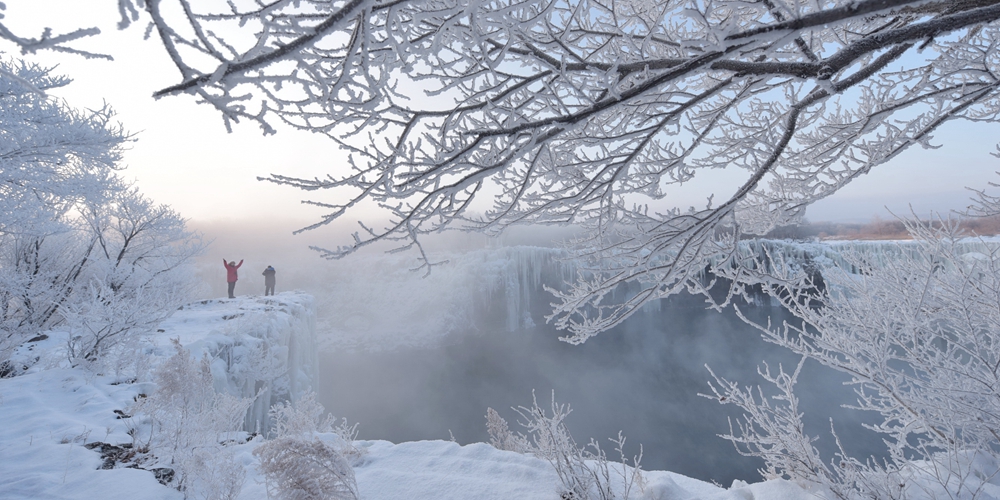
588	112
916	328
48	41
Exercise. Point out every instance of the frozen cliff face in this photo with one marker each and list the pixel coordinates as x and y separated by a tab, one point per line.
263	347
832	253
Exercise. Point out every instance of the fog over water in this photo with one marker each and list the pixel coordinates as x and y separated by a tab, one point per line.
642	378
411	358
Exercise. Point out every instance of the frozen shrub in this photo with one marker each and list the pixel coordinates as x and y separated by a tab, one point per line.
306	469
189	422
303	417
584	474
501	437
214	474
307	417
297	464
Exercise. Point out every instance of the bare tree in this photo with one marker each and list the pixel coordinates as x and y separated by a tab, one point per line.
587	111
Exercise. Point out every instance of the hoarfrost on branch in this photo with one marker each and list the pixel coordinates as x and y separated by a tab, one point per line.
917	334
587	111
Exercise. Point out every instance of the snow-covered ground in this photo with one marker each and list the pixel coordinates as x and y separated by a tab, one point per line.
53	416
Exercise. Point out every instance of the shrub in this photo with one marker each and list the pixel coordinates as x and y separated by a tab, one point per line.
306	469
189	422
584	473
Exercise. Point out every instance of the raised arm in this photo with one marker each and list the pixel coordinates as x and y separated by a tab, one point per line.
240	264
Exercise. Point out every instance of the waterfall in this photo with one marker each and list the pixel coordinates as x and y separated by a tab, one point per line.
260	347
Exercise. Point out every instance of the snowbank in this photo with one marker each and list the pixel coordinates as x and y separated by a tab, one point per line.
48	417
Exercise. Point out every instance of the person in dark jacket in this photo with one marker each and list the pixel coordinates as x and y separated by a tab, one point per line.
231	276
268	281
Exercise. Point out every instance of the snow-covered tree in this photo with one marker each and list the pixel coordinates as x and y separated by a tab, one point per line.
588	111
76	242
38	276
53	158
138	271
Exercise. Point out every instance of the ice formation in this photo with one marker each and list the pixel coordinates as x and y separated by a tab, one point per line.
263	347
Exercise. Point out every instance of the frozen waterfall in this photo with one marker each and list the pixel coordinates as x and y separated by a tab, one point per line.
259	347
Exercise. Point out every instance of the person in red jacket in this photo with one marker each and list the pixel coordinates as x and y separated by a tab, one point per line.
231	277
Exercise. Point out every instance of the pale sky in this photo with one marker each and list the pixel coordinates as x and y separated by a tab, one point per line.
185	158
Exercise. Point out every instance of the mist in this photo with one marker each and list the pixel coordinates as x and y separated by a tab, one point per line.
410	356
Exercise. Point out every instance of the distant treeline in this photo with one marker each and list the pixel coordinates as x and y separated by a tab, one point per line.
877	229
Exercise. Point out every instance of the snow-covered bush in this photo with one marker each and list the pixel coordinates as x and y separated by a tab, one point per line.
306	469
301	418
213	473
298	464
585	473
501	437
919	335
190	425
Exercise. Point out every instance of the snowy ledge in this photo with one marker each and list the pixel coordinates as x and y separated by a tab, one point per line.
54	416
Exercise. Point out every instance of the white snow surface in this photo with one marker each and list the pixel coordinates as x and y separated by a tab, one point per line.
49	413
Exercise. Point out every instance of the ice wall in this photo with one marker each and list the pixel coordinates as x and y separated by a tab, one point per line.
259	347
820	255
379	303
513	277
